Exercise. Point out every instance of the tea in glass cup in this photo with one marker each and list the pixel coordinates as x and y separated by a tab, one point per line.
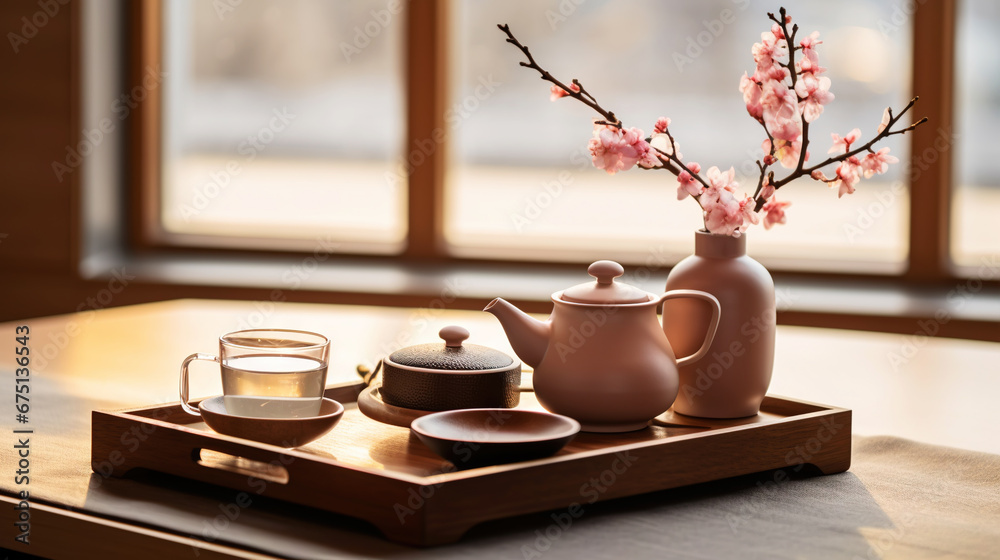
268	373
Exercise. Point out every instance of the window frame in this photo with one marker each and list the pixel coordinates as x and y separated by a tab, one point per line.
427	91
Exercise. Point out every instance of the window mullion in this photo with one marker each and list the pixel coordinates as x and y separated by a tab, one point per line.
931	145
426	82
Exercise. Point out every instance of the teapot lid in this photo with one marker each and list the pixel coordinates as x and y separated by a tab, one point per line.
605	289
452	355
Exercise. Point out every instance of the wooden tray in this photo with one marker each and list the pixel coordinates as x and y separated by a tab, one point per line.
382	474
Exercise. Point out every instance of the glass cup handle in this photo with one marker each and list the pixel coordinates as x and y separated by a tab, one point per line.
713	324
184	380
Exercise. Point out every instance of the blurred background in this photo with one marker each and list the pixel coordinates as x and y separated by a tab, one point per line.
213	146
328	171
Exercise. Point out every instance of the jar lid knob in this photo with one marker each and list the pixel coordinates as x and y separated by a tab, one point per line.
605	271
453	336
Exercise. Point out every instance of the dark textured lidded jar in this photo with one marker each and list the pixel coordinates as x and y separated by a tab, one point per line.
451	375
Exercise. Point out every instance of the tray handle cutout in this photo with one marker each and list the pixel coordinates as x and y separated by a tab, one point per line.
270	472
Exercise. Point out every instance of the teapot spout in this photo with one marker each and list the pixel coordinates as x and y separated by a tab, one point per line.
528	336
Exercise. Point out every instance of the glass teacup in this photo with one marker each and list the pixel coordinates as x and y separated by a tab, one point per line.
268	373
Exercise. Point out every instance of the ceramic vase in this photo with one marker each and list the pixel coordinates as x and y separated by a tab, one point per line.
730	381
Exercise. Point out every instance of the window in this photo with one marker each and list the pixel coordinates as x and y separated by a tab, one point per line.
415	132
976	198
281	122
522	179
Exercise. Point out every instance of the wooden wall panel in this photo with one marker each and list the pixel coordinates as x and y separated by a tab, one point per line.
37	88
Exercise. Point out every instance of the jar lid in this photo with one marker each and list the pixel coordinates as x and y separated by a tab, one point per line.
453	355
605	289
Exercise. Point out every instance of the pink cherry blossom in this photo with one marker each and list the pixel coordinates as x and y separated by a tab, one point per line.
767	191
843	145
819	176
886	117
877	162
786	152
751	96
769	48
776	31
748	213
808	67
808	62
648	157
722	180
776	72
662	142
555	92
808	47
661	125
687	184
847	176
723	214
774	212
814	93
614	149
781	111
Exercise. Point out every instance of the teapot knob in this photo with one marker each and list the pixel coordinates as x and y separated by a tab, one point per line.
453	336
605	271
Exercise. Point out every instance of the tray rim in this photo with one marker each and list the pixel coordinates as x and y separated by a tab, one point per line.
352	389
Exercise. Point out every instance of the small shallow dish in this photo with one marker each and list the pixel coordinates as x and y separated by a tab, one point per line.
283	432
492	436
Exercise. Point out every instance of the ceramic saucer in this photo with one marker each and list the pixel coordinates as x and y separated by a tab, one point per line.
478	437
283	432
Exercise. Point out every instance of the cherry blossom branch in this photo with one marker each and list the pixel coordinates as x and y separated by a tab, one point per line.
789	41
585	97
884	133
582	96
793	74
672	157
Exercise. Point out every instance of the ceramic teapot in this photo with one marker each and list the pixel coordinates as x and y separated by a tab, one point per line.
601	357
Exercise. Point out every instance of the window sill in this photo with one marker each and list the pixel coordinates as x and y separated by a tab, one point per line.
966	309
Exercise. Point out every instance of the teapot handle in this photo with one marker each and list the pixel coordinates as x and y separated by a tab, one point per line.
713	325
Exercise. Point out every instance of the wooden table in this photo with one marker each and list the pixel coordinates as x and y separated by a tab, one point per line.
935	391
